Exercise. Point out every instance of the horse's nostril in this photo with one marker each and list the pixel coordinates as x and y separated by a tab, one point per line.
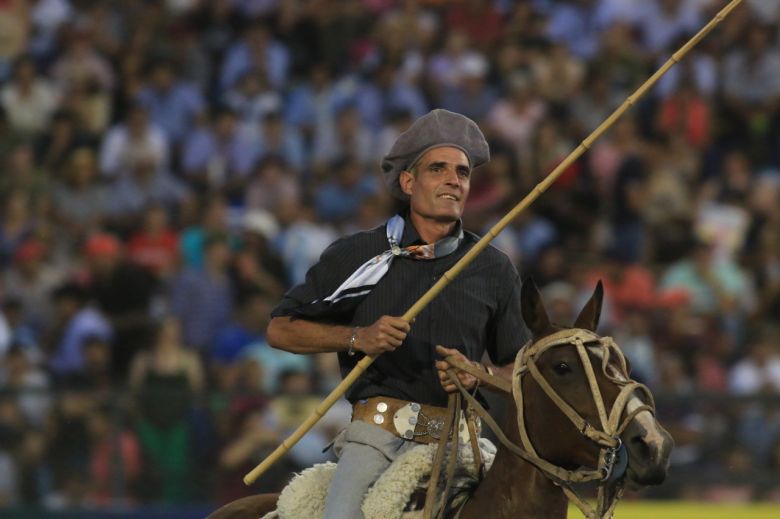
639	443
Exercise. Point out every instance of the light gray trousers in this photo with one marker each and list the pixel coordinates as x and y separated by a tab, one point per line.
365	452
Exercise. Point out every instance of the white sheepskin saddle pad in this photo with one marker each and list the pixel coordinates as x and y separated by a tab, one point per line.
304	496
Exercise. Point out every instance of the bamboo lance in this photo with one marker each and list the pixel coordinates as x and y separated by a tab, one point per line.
451	274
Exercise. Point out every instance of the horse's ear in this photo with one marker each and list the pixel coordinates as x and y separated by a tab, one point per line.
534	314
589	316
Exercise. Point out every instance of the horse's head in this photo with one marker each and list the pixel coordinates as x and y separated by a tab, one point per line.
584	378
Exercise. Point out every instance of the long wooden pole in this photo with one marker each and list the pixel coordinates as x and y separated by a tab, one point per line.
456	269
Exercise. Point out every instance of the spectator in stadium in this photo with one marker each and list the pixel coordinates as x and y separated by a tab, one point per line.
515	117
30	385
257	46
134	140
759	371
29	99
347	137
220	153
248	437
310	105
253	99
15	331
663	23
69	447
111	445
30	280
65	134
173	103
627	193
301	239
155	246
271	185
145	184
339	198
385	89
12	430
209	217
124	293
257	265
166	381
96	376
758	374
79	200
22	175
17	225
559	75
296	399
714	286
81	63
203	297
576	24
34	472
9	138
480	21
471	95
75	322
279	139
246	327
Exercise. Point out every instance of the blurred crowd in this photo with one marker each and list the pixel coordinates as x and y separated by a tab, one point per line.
170	168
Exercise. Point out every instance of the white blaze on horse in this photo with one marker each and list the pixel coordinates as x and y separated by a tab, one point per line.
578	418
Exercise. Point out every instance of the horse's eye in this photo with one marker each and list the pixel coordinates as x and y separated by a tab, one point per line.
562	368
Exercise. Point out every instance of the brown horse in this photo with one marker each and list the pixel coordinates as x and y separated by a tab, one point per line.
514	488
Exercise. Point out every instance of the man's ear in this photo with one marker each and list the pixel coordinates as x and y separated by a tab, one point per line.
406	181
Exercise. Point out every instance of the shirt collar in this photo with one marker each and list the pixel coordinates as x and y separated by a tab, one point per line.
412	237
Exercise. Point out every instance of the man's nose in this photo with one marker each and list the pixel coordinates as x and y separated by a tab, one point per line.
451	177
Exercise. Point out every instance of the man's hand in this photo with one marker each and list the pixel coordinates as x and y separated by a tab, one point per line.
468	381
386	334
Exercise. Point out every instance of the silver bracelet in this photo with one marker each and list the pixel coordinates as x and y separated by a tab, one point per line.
352	341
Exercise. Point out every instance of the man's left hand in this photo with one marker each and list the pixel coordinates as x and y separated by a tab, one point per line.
468	381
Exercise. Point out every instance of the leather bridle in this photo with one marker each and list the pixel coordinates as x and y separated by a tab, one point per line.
613	456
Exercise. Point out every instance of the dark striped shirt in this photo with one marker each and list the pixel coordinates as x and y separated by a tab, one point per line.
478	311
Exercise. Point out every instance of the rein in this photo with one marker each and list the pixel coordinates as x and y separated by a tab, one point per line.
612	453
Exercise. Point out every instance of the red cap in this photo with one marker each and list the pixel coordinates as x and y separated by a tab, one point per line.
674	297
102	245
30	250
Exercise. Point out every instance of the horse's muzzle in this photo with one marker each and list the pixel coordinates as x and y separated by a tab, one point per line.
649	447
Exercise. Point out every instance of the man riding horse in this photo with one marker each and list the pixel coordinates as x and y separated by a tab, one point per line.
351	300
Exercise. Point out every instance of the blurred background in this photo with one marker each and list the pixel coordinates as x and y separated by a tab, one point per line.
169	168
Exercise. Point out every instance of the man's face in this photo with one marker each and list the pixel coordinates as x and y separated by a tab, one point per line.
137	121
218	255
163	77
439	187
66	307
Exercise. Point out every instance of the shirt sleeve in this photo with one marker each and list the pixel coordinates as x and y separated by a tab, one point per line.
335	265
507	332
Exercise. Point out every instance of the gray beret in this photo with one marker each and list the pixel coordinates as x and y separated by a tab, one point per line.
435	129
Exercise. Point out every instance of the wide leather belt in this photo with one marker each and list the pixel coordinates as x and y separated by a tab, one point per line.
409	420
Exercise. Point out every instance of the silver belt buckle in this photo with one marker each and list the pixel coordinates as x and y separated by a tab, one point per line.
409	416
405	420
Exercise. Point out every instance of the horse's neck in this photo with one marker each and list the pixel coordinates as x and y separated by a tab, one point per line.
513	488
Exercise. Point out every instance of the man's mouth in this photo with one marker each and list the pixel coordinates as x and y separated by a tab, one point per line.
448	196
